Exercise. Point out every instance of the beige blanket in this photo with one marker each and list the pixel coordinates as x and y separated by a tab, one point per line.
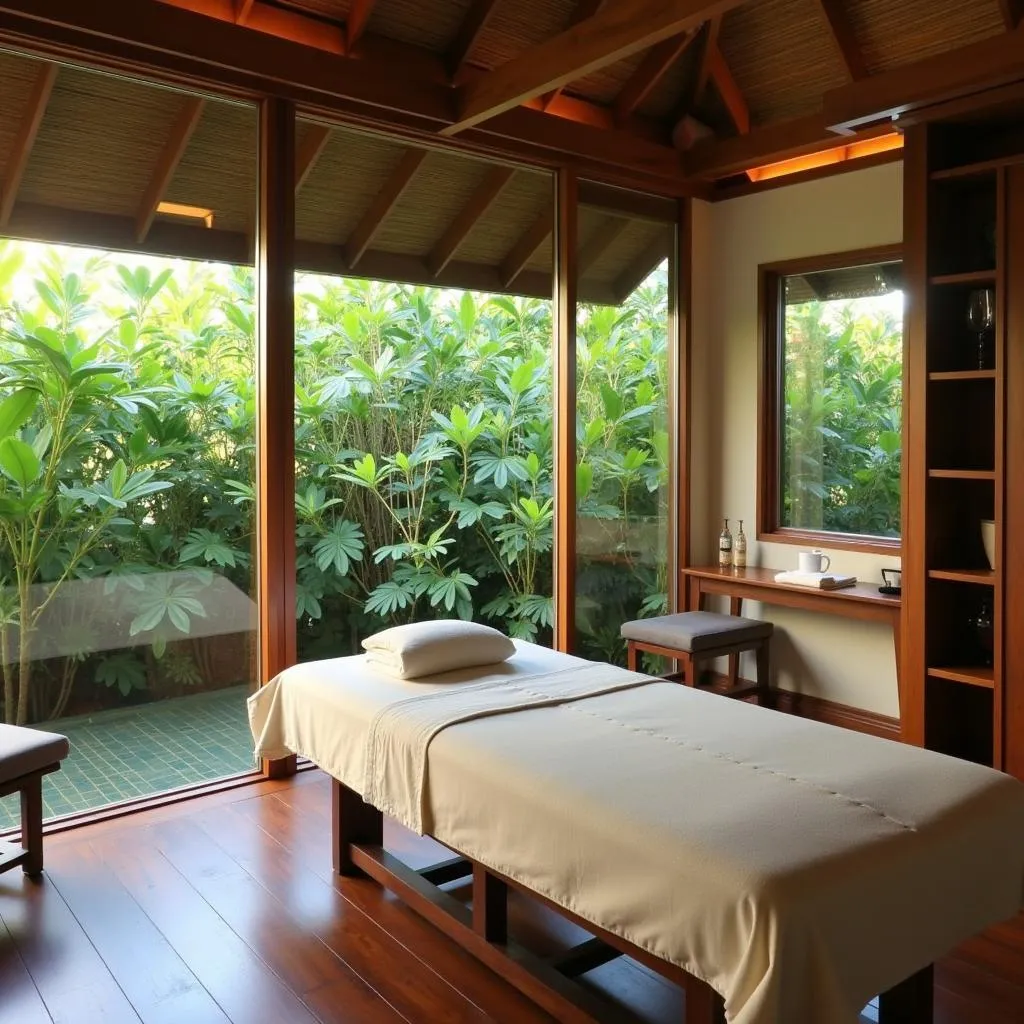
400	733
798	868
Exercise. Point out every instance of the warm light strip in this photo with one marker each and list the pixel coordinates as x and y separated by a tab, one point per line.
837	155
182	210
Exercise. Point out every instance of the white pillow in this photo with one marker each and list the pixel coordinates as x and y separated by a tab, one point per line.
427	648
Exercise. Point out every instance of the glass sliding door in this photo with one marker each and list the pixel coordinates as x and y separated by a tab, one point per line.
624	415
127	618
423	407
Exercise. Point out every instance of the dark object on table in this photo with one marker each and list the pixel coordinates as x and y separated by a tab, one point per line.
892	580
981	622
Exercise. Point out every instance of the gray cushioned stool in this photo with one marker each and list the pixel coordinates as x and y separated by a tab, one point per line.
26	755
693	637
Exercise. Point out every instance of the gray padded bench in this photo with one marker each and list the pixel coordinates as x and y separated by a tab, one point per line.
26	755
694	637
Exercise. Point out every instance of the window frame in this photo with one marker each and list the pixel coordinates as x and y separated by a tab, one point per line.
770	305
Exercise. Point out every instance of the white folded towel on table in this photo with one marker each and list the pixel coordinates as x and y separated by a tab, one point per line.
819	580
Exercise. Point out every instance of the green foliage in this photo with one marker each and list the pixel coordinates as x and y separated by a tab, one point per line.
423	428
842	421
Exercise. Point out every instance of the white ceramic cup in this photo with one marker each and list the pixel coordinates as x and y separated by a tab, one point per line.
814	561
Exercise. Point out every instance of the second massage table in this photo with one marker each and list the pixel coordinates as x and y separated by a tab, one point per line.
796	868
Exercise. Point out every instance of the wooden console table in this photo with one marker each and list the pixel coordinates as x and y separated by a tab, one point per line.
861	601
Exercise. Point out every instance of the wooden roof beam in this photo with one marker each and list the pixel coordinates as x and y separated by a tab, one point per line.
243	8
846	39
526	248
636	273
729	90
473	24
603	239
384	202
355	24
174	149
615	32
478	204
652	69
310	150
707	40
31	119
1011	11
719	158
995	61
584	9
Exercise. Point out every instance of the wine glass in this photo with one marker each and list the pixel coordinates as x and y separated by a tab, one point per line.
981	315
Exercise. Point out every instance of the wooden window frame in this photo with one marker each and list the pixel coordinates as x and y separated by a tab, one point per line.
769	401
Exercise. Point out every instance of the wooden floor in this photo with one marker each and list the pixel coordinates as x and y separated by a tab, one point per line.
225	909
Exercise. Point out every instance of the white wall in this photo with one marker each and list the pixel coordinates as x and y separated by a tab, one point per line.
828	656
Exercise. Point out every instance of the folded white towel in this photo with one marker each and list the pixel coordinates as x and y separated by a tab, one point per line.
818	580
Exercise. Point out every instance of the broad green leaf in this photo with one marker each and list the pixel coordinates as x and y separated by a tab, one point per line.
16	409
19	462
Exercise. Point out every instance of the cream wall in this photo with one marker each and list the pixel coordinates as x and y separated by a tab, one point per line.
836	658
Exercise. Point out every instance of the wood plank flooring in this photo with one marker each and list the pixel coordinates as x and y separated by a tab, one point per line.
224	910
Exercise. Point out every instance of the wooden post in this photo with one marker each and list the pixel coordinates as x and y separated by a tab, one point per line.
680	298
566	212
275	503
353	820
490	905
703	1004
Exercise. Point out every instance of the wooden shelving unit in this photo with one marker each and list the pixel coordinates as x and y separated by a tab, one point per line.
955	446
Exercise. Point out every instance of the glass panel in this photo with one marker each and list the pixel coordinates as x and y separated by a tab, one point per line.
423	393
842	392
127	419
623	425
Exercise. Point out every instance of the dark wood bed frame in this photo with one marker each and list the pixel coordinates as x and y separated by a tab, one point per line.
482	929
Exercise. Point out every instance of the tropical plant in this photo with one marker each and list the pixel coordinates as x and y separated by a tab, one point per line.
842	418
423	424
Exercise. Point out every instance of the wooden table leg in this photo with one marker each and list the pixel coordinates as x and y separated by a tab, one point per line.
352	821
896	639
911	1001
735	607
703	1004
490	905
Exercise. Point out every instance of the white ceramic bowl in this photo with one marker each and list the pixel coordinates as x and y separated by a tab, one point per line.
988	538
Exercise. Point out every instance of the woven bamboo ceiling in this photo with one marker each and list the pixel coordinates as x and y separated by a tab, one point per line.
681	93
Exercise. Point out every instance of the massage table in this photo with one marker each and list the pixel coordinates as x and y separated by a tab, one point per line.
782	870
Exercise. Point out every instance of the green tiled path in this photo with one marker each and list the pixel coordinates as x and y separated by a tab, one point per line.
139	751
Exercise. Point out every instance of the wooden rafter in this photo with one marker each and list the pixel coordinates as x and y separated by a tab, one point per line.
473	24
476	206
526	247
31	119
988	63
603	239
707	41
1011	11
584	9
309	151
633	276
174	149
730	92
615	32
384	202
403	86
355	24
845	38
243	8
652	69
718	158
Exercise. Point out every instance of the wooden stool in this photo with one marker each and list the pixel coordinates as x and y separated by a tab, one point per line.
26	755
694	637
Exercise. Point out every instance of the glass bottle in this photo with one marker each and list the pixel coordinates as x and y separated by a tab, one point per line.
739	550
725	547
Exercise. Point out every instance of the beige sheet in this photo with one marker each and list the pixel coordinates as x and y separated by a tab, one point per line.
798	868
